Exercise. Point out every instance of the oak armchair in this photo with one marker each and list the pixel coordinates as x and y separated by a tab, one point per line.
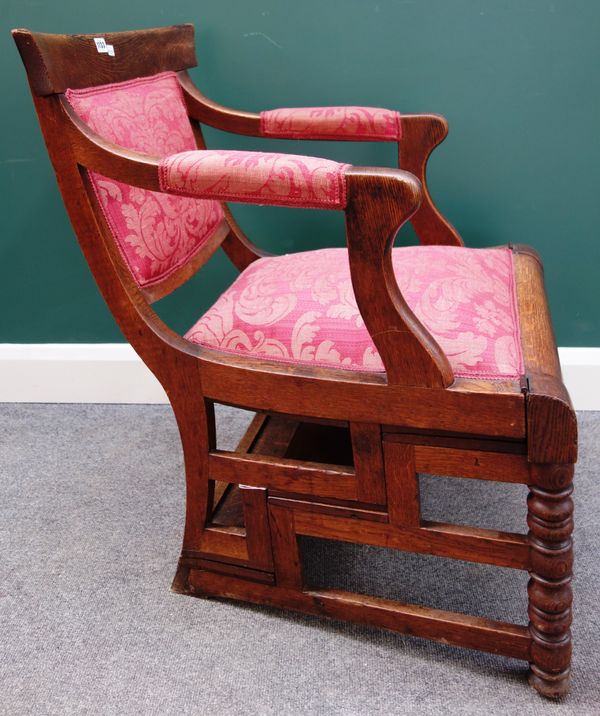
364	366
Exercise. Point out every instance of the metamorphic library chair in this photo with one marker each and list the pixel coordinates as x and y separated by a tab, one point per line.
365	365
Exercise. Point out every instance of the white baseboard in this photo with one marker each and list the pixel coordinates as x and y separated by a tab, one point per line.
75	373
581	374
113	373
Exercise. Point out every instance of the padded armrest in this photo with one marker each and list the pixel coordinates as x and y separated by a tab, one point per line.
255	178
371	124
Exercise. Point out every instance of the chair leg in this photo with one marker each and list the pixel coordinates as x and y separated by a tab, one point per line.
195	419
550	521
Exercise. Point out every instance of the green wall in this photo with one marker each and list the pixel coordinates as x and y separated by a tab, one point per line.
517	79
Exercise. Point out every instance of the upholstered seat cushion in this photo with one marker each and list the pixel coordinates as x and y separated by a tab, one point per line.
300	308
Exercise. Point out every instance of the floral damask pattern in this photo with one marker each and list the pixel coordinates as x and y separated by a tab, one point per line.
300	308
155	233
256	177
368	123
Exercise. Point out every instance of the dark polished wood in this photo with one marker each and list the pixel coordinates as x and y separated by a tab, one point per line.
403	499
550	520
447	627
421	134
331	454
56	63
410	354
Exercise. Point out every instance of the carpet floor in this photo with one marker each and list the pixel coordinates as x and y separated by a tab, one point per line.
91	507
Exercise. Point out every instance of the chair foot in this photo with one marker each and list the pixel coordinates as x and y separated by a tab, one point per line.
552	686
550	520
180	584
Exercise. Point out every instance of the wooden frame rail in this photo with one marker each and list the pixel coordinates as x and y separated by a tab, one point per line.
471	544
453	628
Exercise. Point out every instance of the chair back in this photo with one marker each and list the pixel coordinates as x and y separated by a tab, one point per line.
125	87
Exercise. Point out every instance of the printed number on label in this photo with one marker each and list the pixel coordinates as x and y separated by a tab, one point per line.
102	47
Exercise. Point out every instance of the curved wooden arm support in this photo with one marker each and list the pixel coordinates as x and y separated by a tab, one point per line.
204	110
99	155
421	133
379	202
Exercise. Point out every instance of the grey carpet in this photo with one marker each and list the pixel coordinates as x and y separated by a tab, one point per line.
91	502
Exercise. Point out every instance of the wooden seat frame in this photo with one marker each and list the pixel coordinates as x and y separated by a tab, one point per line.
331	453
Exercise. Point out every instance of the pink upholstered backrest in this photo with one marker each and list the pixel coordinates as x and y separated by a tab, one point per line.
156	234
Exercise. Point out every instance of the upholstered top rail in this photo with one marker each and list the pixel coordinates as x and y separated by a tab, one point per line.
365	123
256	178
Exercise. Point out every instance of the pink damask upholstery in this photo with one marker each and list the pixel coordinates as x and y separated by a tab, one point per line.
155	233
300	308
256	177
364	123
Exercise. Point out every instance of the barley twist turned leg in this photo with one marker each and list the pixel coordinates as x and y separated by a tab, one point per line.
550	521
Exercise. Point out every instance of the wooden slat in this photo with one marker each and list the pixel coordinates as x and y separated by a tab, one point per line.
310	419
396	433
451	462
286	553
283	474
258	534
402	484
368	462
231	511
472	544
224	542
252	433
236	570
355	512
447	627
276	435
220	490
